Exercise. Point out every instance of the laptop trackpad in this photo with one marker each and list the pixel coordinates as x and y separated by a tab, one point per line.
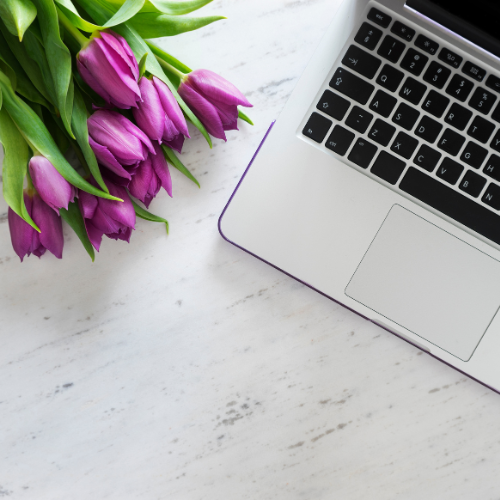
428	281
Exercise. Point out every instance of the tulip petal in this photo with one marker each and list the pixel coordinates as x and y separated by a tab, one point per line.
88	204
161	169
121	47
149	114
104	157
176	143
91	81
122	212
50	224
140	185
122	234
94	234
171	106
104	222
135	131
21	233
228	114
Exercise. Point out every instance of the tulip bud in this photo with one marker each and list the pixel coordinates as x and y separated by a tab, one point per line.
159	115
52	187
213	100
117	143
26	240
108	65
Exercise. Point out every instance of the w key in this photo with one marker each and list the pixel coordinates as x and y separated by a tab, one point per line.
360	61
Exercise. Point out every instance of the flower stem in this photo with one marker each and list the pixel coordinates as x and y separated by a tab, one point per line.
74	32
170	68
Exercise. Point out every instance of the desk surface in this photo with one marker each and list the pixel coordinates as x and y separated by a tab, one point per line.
182	368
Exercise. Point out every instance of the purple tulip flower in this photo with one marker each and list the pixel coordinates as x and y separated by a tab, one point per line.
152	174
52	187
159	115
117	143
115	219
109	67
213	100
26	240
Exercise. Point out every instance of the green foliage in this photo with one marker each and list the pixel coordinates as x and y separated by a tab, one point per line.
17	15
174	8
144	214
74	218
171	158
129	9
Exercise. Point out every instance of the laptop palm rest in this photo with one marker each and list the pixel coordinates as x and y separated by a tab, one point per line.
429	282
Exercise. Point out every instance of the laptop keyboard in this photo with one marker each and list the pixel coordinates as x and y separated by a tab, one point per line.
381	118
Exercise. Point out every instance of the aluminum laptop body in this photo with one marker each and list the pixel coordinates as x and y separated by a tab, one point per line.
405	235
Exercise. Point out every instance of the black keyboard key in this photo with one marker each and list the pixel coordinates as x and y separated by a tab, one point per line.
493	82
435	103
426	44
360	61
482	100
451	203
428	129
458	116
359	119
391	49
481	129
390	78
450	58
362	153
451	142
495	143
351	85
333	105
405	116
472	183
368	36
459	87
383	103
412	90
414	61
496	114
474	71
437	74
427	158
492	168
381	132
388	167
339	140
473	154
404	145
449	170
403	31
492	196
379	18
317	127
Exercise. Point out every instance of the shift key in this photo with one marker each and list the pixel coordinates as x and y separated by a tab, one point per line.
351	85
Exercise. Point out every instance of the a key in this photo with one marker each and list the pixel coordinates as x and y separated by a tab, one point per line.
449	170
428	129
391	49
426	44
458	116
435	103
412	90
404	145
360	61
381	132
403	31
333	105
496	114
388	167
493	82
459	87
339	140
474	71
451	142
362	153
380	18
482	100
427	158
383	103
437	74
492	196
481	129
414	61
450	58
351	85
359	119
405	116
473	154
495	143
472	183
368	36
492	167
317	127
390	78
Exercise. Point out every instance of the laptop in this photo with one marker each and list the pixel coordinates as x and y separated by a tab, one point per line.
379	183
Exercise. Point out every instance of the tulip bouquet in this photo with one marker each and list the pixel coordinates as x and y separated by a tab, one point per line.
86	80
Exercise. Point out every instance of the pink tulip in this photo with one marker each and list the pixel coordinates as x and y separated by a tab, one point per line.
108	65
26	240
213	100
52	187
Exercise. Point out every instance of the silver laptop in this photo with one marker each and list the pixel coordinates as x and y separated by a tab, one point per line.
379	183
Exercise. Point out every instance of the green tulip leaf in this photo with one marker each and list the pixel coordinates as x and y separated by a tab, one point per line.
144	214
244	117
156	25
174	8
17	16
171	158
9	72
129	9
36	134
142	64
74	218
69	10
58	58
15	166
